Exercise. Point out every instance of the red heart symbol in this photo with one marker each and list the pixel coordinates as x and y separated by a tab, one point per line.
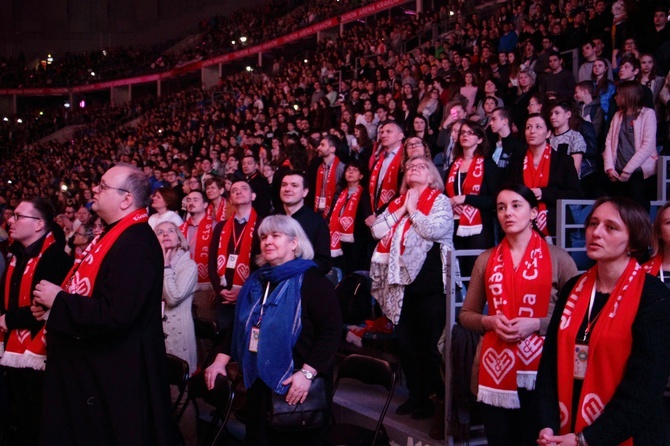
386	195
334	239
202	270
346	222
80	286
220	261
530	348
469	212
243	271
498	365
592	407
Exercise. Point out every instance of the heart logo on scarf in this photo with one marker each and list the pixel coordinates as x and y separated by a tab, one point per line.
220	261
563	416
541	220
23	335
469	212
386	195
530	348
346	222
243	271
82	287
498	365
202	270
592	407
334	239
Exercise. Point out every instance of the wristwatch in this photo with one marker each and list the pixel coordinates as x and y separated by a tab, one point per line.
309	375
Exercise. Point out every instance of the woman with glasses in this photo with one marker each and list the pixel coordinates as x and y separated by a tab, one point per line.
472	181
408	278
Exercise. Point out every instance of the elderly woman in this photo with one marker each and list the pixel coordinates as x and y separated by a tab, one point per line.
265	330
179	279
165	202
607	353
408	277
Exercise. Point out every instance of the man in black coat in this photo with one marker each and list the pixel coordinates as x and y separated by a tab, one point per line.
263	201
293	191
105	381
37	254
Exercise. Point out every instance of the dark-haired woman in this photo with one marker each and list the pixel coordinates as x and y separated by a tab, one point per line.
607	353
549	173
519	279
349	235
471	184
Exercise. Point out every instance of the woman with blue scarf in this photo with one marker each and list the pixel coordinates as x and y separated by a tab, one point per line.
287	330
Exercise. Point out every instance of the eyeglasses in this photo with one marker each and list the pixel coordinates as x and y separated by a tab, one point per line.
415	144
104	187
420	166
18	217
466	132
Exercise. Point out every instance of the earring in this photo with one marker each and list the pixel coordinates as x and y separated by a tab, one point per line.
628	253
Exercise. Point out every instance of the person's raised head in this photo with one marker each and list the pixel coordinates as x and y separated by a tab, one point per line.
122	190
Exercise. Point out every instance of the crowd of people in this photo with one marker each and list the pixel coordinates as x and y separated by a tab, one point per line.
384	161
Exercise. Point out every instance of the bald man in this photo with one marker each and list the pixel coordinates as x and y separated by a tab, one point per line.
105	381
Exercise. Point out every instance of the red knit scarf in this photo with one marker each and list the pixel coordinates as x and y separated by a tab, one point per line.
470	218
525	292
538	177
329	193
424	206
203	233
22	350
389	185
218	214
242	243
610	345
342	220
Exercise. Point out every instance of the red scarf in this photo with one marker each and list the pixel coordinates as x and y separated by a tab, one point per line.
329	193
610	345
654	265
81	278
22	350
470	218
389	184
201	253
218	214
424	206
243	244
538	177
525	292
342	220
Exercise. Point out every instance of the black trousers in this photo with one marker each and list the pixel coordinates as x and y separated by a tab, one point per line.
512	427
25	405
420	326
259	432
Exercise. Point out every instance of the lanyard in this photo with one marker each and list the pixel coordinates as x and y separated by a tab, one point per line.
265	298
237	240
589	322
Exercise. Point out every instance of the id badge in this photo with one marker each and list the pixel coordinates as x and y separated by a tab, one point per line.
253	340
232	261
581	360
322	203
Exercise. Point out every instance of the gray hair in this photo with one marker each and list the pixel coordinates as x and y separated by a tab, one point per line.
138	185
435	181
289	226
183	243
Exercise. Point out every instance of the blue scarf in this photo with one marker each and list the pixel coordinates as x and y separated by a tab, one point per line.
280	326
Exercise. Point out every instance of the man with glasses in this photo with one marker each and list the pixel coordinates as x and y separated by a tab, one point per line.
36	254
385	174
106	380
